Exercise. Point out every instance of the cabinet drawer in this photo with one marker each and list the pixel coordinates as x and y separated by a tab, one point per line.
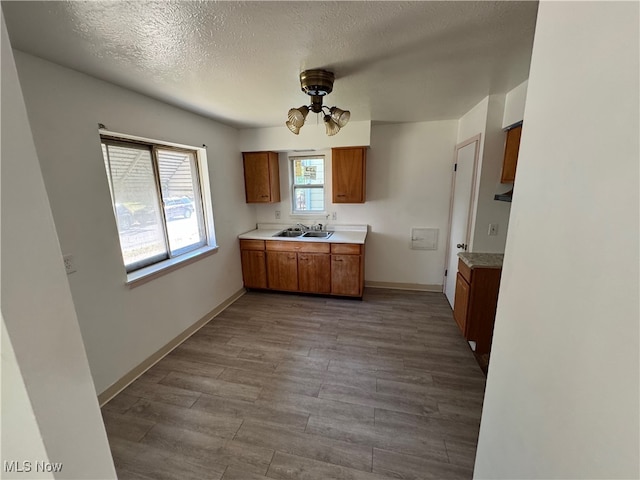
346	248
315	247
251	244
464	270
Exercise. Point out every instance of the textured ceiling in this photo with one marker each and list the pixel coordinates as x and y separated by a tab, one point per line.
238	62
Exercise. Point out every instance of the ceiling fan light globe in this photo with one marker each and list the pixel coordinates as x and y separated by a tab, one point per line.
294	128
341	117
332	127
297	116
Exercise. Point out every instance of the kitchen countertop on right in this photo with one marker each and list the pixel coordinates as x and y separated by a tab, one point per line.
482	260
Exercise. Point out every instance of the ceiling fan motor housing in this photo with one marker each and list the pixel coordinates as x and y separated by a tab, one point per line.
316	83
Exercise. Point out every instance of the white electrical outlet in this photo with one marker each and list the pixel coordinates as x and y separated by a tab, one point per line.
493	229
334	216
69	264
277	214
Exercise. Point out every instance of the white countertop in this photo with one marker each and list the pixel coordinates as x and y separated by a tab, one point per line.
341	234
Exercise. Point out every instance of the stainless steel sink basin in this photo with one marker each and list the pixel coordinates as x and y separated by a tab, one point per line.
289	233
318	234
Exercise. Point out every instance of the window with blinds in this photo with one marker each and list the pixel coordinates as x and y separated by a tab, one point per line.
308	184
157	200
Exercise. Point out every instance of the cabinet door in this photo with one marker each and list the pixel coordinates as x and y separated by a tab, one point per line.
511	149
282	271
461	306
261	177
348	174
254	269
345	275
314	272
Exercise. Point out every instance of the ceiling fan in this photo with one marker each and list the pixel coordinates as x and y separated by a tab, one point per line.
317	84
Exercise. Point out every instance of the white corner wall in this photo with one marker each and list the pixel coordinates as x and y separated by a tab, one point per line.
488	210
408	185
121	327
562	398
312	136
486	119
45	374
514	105
20	438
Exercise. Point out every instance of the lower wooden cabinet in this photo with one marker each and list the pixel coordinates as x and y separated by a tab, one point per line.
475	303
318	267
314	273
461	307
254	268
282	271
347	269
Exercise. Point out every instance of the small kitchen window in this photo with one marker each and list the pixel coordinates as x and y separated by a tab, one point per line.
157	198
307	192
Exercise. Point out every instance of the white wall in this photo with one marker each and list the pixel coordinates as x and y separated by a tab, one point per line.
486	119
408	185
562	396
489	210
21	440
474	122
41	324
514	105
120	326
311	136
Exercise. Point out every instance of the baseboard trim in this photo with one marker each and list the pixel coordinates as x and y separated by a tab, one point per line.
134	373
405	286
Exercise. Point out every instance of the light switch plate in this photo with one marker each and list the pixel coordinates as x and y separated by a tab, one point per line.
493	229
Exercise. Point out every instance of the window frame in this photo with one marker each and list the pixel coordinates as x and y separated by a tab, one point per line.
294	186
142	272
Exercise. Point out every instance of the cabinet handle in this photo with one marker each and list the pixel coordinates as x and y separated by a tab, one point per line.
337	259
341	195
264	196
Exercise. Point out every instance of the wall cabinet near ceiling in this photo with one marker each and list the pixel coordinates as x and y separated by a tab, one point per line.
261	177
511	149
475	303
349	174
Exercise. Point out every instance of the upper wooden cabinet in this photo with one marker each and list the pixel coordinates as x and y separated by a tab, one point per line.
261	177
511	149
349	174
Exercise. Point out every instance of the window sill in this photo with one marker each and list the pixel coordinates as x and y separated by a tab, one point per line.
307	215
156	270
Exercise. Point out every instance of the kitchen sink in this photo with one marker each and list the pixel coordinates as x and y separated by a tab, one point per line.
289	233
318	234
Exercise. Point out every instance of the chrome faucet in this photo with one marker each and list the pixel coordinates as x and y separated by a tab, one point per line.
304	228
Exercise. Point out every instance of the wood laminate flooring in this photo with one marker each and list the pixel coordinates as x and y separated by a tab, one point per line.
300	387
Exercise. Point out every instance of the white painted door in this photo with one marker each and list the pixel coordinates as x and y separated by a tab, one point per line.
466	156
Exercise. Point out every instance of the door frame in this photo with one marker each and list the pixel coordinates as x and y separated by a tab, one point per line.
472	201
